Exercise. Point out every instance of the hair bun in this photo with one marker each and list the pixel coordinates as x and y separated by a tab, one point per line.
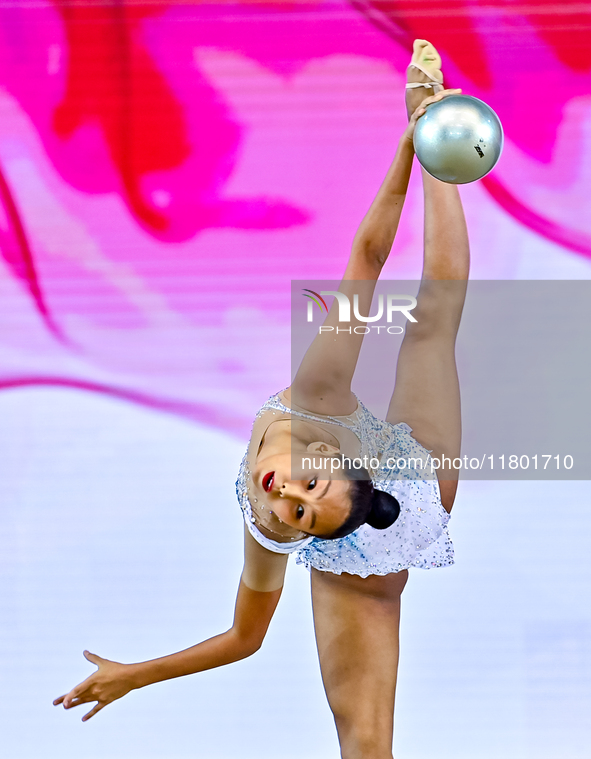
385	510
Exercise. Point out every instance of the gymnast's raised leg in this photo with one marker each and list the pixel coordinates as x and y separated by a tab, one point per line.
357	619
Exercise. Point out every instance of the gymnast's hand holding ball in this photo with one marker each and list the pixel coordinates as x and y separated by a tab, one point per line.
421	109
457	138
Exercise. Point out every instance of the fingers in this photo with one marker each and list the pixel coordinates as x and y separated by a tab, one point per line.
76	702
92	657
83	693
92	712
432	99
445	93
439	96
75	695
70	703
72	698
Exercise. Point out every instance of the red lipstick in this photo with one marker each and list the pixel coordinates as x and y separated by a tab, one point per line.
268	481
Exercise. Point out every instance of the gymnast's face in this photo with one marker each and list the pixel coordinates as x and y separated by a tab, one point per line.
306	498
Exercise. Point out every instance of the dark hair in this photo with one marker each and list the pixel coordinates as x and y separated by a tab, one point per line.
368	504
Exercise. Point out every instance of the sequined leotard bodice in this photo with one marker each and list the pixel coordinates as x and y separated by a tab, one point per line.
418	538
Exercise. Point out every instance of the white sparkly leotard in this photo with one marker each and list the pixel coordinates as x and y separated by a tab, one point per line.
418	538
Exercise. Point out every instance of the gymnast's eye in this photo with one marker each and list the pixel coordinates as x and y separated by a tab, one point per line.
299	512
312	484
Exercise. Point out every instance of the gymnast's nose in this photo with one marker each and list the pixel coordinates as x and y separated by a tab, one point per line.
289	490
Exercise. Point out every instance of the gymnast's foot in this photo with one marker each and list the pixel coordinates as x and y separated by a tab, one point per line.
424	68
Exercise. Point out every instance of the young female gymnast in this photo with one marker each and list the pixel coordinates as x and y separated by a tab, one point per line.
358	534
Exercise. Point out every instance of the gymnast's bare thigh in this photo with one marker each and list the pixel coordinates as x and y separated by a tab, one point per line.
356	621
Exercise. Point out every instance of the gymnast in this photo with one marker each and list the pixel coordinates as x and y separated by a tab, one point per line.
358	531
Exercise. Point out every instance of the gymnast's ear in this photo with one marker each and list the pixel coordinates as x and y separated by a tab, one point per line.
323	448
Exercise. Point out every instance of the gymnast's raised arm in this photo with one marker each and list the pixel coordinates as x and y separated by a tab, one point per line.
259	591
323	381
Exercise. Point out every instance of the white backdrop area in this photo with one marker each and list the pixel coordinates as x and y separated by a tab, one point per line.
120	533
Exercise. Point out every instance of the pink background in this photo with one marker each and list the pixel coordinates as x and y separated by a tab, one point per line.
169	167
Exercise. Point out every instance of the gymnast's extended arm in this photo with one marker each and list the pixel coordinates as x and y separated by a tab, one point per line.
323	381
258	595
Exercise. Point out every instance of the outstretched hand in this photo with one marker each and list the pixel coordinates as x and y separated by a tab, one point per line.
110	682
422	109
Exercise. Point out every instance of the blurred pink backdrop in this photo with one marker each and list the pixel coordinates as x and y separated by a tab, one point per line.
167	168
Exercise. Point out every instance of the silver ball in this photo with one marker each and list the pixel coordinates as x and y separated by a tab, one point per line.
459	139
